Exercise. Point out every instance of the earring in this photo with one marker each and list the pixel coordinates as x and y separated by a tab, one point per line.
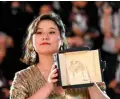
61	45
33	54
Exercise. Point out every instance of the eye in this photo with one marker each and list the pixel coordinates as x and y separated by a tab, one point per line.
52	32
38	32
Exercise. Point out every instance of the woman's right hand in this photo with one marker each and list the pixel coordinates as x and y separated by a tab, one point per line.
52	78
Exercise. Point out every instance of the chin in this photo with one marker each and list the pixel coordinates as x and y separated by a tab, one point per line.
48	51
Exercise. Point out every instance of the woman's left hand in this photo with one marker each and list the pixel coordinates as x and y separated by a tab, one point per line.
96	92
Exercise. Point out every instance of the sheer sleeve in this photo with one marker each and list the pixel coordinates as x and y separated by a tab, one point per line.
18	89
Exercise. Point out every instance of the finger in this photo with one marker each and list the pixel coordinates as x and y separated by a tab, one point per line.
54	75
51	80
54	71
53	67
54	80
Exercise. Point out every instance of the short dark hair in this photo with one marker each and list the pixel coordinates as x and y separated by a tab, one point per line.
30	56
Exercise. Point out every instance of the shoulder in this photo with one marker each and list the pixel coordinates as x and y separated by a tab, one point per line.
26	73
20	86
27	70
22	77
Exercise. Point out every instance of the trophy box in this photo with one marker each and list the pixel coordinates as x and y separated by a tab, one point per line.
79	67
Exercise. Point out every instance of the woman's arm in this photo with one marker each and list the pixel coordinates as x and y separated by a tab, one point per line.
96	93
20	88
45	91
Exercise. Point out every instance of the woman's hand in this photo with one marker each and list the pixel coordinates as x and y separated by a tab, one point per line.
96	93
52	78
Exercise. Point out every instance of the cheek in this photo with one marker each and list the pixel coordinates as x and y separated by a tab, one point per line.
56	42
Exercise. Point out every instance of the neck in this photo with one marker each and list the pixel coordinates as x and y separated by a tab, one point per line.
45	62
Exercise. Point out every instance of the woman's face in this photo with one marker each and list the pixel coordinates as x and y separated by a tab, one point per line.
47	37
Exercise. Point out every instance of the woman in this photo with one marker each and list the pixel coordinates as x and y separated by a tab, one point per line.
46	35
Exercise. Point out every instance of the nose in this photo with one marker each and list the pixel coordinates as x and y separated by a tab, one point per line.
45	37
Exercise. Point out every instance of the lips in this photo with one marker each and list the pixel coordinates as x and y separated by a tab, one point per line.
45	43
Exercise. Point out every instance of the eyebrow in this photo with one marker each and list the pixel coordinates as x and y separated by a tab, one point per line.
49	28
